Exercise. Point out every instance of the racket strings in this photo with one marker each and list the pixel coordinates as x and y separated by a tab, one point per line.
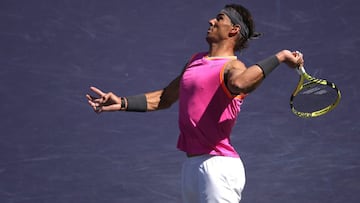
315	97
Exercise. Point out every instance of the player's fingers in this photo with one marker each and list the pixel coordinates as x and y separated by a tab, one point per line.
94	103
95	106
93	100
98	108
97	91
297	53
105	98
299	60
89	97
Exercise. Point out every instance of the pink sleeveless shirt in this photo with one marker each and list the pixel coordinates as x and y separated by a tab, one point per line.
207	110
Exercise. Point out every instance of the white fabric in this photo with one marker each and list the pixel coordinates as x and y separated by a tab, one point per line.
212	179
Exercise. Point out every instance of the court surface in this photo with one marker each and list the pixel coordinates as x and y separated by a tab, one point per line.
55	149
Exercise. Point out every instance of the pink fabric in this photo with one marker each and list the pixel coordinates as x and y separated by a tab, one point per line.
207	112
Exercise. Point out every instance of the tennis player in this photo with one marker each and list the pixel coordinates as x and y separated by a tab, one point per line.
210	91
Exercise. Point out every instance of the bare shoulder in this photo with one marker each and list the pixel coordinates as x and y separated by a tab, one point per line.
235	65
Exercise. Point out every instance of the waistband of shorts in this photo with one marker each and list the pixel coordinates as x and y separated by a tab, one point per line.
199	155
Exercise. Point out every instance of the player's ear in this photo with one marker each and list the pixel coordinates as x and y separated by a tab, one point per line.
235	30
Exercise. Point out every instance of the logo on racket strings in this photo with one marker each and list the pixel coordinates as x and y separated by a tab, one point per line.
315	90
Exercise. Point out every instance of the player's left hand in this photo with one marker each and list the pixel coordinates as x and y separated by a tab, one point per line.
104	101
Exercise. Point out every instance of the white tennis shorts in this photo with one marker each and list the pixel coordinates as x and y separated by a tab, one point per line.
212	179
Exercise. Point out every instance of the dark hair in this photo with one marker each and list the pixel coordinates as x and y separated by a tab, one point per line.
242	42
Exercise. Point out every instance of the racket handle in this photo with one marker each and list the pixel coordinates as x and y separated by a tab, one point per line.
300	70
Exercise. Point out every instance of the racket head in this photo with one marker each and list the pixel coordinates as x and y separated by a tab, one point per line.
314	98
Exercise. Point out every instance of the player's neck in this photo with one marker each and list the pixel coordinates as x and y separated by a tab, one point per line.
216	50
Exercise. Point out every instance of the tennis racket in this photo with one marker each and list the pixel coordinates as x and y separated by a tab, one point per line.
315	97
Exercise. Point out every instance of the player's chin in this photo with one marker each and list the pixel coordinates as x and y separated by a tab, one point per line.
209	38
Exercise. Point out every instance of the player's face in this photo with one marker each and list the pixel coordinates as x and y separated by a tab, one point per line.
219	28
